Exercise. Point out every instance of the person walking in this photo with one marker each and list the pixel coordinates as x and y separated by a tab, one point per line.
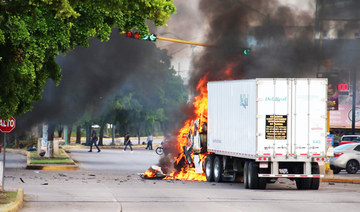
93	140
149	142
127	141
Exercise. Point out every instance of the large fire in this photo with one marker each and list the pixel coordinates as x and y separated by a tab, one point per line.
184	162
187	172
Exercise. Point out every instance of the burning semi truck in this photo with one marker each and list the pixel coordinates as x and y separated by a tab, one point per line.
262	130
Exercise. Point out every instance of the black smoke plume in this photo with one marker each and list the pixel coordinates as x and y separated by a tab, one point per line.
284	45
283	41
89	76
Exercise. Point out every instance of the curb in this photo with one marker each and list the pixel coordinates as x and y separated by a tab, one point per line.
340	180
17	204
58	167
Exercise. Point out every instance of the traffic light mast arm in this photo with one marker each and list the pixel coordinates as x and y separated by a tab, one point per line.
183	41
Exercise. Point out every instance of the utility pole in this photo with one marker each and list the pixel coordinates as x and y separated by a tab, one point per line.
353	101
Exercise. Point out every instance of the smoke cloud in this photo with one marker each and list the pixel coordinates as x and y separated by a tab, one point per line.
89	76
280	36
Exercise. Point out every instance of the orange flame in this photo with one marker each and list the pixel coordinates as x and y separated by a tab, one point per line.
200	113
200	104
149	173
188	174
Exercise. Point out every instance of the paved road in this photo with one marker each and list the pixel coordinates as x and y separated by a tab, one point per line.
115	160
106	183
120	141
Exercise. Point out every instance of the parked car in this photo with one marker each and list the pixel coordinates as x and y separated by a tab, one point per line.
346	157
347	139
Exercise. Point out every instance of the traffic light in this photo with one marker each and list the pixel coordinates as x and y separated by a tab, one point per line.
136	35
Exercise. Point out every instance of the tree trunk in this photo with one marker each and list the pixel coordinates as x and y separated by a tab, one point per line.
78	134
101	135
16	141
51	130
88	131
139	135
69	133
60	131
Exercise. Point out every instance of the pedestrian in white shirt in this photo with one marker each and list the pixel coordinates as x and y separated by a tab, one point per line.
149	142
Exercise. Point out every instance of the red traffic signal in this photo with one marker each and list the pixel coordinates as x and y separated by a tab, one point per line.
136	35
129	34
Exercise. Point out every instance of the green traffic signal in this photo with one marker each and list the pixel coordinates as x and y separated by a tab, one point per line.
246	51
153	37
145	37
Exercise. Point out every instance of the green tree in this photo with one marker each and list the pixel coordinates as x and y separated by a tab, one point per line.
153	98
34	32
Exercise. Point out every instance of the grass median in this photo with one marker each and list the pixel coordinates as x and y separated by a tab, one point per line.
61	158
7	197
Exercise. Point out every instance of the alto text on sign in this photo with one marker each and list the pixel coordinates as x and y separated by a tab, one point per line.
7	126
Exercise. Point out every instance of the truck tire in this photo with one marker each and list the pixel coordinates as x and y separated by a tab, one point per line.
352	167
246	174
315	182
262	182
303	183
218	168
209	168
253	179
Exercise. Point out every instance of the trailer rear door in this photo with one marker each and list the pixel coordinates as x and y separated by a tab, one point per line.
291	117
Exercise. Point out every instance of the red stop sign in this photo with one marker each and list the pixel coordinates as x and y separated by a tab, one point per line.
7	126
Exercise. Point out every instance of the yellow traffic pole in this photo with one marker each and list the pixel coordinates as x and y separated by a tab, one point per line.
179	41
183	41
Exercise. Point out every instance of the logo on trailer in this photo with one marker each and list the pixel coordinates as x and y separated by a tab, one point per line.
275	99
244	100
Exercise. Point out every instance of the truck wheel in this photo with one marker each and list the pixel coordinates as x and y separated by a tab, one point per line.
262	182
209	168
303	183
253	179
315	182
218	169
352	167
246	174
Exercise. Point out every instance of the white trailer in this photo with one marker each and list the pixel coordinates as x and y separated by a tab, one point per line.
265	129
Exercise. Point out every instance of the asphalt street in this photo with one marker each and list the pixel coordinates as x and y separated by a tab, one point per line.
109	181
115	160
